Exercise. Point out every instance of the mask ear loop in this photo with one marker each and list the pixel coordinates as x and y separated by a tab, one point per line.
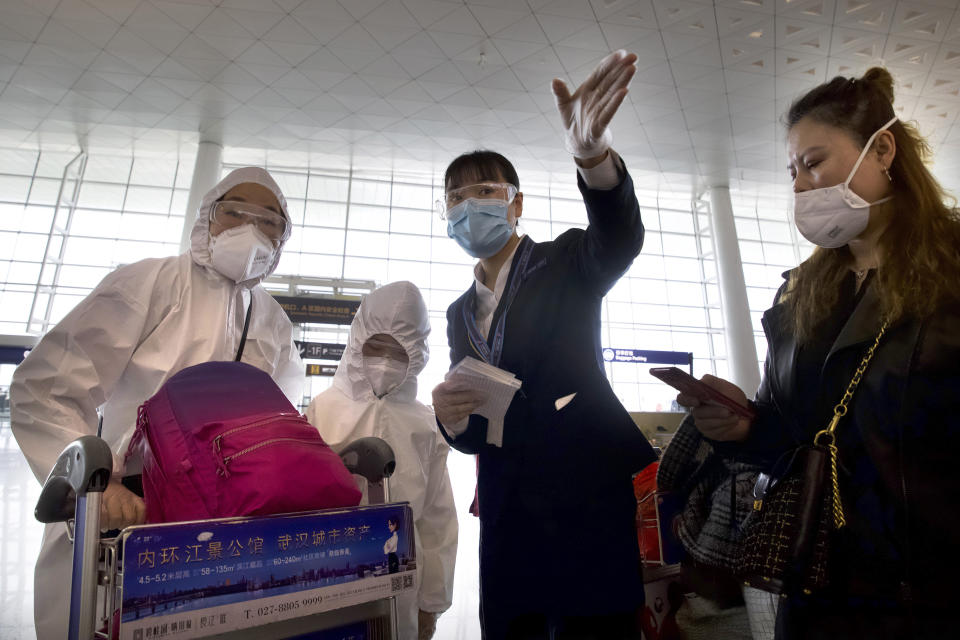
866	148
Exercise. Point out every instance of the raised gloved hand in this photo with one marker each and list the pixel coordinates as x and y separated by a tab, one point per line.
586	113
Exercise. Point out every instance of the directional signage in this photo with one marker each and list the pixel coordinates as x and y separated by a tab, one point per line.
320	350
319	310
644	357
13	355
321	369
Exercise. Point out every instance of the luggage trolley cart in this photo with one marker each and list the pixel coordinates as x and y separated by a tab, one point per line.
323	575
660	551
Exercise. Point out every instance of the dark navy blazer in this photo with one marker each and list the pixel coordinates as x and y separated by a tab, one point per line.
557	509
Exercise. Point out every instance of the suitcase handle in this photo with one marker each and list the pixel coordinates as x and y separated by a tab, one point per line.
83	467
370	457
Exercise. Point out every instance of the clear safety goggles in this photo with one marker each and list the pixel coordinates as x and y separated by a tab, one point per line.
484	190
385	346
231	213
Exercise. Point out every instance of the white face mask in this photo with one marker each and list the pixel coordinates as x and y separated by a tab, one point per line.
831	217
241	253
384	374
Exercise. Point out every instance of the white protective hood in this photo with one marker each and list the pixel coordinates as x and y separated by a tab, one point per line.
349	410
200	236
398	310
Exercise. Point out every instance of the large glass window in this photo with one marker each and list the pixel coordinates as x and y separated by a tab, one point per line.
769	246
126	209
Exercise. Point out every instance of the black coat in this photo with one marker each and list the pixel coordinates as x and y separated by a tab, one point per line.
557	510
899	447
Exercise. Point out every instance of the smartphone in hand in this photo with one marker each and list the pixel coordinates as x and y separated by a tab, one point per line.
686	383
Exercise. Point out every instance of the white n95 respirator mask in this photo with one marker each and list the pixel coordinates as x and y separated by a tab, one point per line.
831	217
384	374
241	253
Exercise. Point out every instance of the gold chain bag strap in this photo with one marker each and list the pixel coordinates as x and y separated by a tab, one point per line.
796	506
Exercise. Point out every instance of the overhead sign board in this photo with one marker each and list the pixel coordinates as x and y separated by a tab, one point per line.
645	357
321	369
320	350
13	355
318	310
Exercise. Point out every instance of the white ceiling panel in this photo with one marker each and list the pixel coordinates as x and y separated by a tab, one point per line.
22	27
459	21
822	11
870	15
427	12
187	15
292	53
558	28
922	20
257	22
220	23
405	80
201	48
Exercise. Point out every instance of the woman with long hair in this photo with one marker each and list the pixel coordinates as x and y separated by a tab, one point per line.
888	255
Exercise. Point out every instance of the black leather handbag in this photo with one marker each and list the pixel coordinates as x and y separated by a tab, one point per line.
796	507
787	537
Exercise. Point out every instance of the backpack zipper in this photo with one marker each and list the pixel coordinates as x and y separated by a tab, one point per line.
250	425
224	460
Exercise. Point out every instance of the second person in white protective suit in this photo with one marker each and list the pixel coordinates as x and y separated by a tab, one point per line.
142	324
374	393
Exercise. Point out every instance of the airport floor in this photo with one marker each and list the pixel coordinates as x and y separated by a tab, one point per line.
19	538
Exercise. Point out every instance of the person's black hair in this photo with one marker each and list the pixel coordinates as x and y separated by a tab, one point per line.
394	520
478	166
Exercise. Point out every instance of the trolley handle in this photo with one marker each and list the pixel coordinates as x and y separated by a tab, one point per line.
83	467
370	457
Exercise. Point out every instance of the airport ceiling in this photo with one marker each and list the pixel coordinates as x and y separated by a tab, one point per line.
411	83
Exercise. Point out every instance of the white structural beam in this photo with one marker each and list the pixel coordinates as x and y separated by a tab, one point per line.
206	173
738	327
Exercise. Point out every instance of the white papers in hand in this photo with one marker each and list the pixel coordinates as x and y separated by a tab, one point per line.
499	387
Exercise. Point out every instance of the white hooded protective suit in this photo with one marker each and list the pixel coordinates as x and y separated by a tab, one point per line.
142	324
349	410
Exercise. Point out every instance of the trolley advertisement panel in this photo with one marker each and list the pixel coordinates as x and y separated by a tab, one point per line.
196	579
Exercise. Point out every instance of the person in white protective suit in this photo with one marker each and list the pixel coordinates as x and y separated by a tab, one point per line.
142	324
374	394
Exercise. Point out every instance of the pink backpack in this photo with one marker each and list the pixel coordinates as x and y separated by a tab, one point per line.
220	439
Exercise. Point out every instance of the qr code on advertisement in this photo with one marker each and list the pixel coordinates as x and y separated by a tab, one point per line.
407	582
396	584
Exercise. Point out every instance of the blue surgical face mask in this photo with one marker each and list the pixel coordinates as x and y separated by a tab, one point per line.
481	226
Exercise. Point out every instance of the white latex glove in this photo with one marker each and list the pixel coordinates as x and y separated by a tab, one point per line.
586	113
452	402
